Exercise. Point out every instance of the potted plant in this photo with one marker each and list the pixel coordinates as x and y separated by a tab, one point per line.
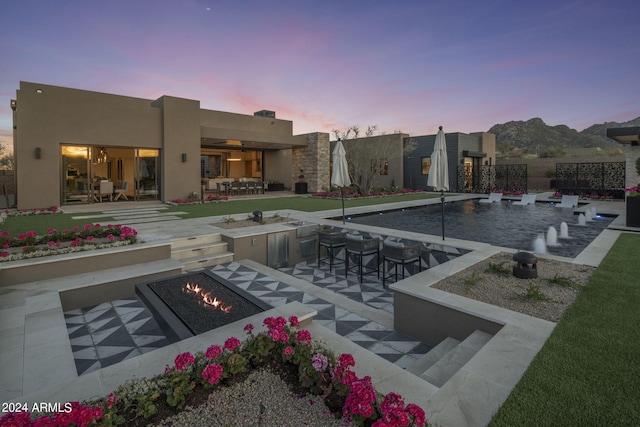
633	207
301	184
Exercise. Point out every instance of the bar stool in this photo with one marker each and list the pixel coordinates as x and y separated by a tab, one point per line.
332	241
399	254
359	246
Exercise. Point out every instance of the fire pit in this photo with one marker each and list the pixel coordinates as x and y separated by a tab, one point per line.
191	304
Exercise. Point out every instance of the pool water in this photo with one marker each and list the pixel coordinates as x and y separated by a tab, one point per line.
499	224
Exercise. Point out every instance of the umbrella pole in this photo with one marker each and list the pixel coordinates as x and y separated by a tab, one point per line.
342	194
442	204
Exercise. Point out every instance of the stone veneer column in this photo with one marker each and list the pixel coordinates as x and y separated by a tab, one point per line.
314	161
631	154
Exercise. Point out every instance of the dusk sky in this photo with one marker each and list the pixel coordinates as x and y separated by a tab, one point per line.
406	66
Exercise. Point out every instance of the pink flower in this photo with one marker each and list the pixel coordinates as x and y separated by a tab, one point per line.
111	400
4	254
293	321
183	360
212	373
213	352
417	413
319	362
248	328
274	334
346	360
231	343
303	336
288	351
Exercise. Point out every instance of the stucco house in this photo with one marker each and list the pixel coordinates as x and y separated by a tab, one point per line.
69	141
74	146
404	161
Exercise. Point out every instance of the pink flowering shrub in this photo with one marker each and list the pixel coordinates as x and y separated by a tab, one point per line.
318	369
54	241
351	193
74	414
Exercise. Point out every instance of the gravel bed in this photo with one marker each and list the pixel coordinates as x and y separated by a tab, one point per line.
263	399
535	297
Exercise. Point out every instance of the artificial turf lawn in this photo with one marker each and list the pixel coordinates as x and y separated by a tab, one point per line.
588	371
41	223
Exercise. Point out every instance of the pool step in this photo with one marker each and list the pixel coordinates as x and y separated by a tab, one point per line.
455	358
200	251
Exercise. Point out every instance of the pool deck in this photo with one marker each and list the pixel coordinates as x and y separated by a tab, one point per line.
38	366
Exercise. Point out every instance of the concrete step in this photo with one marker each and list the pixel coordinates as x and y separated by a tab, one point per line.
200	251
441	371
197	251
206	261
435	354
195	240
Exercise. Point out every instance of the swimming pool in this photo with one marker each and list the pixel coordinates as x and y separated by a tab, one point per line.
499	224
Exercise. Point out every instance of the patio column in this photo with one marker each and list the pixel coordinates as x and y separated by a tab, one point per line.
314	161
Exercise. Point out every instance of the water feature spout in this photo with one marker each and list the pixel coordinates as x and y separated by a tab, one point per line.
564	230
594	213
552	237
582	220
588	215
539	245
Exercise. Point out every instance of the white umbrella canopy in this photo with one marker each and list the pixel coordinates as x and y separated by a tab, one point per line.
439	171
340	174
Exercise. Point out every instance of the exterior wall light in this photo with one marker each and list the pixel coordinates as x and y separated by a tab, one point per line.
184	157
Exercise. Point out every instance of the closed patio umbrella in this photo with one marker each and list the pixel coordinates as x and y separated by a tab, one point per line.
439	171
340	174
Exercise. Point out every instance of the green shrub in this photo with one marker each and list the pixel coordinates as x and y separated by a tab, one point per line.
498	269
533	293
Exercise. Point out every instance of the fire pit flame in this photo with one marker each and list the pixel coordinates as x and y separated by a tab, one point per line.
193	288
207	299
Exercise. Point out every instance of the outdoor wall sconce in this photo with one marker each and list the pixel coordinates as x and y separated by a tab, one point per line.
14	104
184	157
38	153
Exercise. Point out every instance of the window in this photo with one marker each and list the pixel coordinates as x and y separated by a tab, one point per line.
426	165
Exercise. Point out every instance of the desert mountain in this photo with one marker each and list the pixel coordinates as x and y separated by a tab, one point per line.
534	136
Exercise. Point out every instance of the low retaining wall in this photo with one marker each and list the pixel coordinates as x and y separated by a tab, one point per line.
50	267
432	322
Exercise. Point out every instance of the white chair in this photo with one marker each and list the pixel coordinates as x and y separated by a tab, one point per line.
527	199
493	198
120	189
105	189
568	202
